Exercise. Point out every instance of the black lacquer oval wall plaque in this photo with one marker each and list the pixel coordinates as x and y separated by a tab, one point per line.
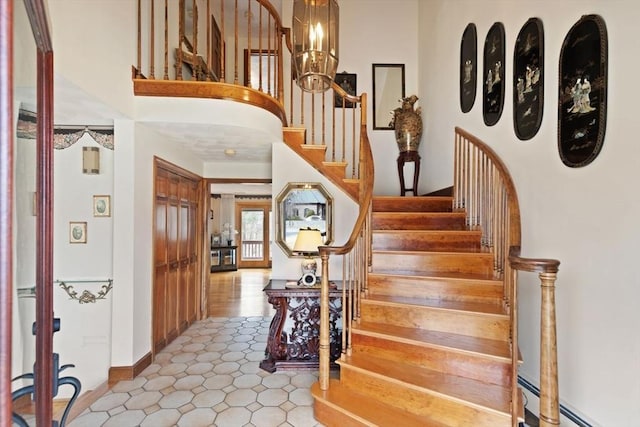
582	103
493	75
468	68
528	79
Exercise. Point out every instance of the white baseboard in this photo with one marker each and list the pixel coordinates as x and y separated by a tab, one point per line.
569	416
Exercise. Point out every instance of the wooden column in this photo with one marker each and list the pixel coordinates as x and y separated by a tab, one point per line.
324	352
549	396
6	203
44	242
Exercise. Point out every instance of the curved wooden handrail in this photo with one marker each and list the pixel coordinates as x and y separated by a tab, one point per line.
341	92
514	208
532	265
274	13
366	185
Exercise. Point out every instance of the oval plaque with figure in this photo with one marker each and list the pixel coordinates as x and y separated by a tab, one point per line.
468	67
493	75
582	101
528	80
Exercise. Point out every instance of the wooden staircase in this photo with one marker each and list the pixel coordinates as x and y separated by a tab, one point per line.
431	346
315	155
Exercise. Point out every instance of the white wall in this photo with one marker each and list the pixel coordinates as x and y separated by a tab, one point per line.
24	269
585	217
85	332
380	32
93	44
289	167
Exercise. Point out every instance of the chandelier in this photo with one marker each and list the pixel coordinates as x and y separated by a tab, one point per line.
315	43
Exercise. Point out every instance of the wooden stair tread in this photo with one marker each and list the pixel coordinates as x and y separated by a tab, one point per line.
435	275
476	393
336	164
443	276
462	343
420	214
309	146
453	254
412	204
481	253
411	232
475	307
344	399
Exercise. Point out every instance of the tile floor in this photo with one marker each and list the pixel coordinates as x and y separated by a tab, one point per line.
209	376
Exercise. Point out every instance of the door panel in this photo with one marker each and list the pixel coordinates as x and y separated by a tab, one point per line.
177	280
253	221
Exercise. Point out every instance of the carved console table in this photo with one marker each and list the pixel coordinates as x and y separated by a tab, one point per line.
294	334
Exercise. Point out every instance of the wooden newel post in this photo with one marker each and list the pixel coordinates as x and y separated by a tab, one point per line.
324	355
549	397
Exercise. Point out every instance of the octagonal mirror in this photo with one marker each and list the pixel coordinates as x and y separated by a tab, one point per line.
302	205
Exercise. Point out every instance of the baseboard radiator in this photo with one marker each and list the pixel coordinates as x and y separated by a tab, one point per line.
575	418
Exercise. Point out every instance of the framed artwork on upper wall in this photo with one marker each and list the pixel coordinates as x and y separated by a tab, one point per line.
468	67
347	82
494	72
528	79
582	103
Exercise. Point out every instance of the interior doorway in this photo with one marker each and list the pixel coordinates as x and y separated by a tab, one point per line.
253	220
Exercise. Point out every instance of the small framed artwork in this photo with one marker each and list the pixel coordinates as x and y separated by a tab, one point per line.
494	73
582	101
347	82
77	232
468	67
101	205
528	79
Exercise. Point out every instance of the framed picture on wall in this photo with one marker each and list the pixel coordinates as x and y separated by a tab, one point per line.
494	73
582	104
347	82
528	79
101	205
468	68
77	232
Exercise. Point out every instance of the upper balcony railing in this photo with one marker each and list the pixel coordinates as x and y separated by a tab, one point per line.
240	50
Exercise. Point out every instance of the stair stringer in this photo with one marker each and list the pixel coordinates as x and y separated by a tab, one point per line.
335	172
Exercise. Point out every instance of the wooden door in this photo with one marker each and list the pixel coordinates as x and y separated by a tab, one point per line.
177	281
252	221
161	265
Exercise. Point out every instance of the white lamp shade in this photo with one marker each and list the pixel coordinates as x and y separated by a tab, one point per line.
308	241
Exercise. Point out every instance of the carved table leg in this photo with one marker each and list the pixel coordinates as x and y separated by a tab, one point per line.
276	348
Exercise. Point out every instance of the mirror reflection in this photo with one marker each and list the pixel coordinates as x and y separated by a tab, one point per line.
302	205
388	90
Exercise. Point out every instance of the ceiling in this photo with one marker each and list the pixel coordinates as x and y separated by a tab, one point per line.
215	143
74	107
242	189
209	142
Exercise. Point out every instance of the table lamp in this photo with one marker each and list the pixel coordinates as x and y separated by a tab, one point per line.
307	244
